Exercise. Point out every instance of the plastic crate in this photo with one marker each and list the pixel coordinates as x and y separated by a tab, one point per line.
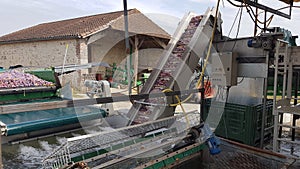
241	123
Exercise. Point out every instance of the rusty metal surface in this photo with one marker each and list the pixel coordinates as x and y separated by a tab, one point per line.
235	157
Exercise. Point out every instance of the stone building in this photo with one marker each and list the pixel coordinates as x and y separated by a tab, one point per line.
96	38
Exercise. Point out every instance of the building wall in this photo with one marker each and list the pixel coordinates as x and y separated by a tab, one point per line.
111	49
38	54
44	54
148	58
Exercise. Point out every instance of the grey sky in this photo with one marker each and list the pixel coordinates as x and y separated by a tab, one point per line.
19	14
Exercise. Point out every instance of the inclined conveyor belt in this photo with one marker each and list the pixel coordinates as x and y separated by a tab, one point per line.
175	68
24	122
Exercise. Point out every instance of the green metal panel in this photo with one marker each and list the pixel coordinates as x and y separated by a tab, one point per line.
22	95
102	151
45	74
178	156
128	143
241	123
171	160
90	155
77	158
114	147
117	146
157	165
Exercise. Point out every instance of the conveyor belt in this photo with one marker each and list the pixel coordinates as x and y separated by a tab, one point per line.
24	122
110	147
175	67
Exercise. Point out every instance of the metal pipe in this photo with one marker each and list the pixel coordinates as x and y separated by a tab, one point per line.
295	116
2	132
263	118
289	92
7	109
64	63
265	22
202	102
1	164
285	72
255	23
291	7
289	76
275	113
265	8
284	86
127	46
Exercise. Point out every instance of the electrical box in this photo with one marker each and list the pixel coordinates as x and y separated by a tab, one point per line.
224	69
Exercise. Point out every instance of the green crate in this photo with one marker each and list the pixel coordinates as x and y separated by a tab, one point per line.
241	123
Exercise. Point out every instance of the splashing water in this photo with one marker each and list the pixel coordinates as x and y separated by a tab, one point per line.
28	156
31	157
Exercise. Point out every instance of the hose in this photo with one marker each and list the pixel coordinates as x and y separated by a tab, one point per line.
180	104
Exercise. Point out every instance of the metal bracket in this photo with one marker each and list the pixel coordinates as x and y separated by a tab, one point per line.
267	9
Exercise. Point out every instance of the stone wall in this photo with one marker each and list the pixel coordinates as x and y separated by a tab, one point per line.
44	54
38	54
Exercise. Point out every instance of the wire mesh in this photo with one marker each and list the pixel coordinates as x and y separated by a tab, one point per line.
129	139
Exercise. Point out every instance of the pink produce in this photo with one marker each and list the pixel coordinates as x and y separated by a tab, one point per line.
172	64
16	79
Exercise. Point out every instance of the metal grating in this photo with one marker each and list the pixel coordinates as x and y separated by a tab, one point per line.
119	143
234	157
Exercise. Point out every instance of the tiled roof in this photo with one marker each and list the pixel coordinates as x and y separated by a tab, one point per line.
140	24
85	26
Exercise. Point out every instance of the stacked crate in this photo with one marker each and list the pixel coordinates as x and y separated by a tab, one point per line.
241	123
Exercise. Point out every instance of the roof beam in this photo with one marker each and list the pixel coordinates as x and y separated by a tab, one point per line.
159	42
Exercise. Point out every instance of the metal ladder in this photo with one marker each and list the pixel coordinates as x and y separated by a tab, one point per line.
284	106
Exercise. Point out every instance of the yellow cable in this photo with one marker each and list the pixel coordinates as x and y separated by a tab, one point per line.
210	45
179	103
206	60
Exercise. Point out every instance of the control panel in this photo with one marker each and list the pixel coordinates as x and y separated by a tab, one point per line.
224	69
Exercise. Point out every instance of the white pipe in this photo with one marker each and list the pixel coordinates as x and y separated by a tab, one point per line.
63	66
275	113
284	73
